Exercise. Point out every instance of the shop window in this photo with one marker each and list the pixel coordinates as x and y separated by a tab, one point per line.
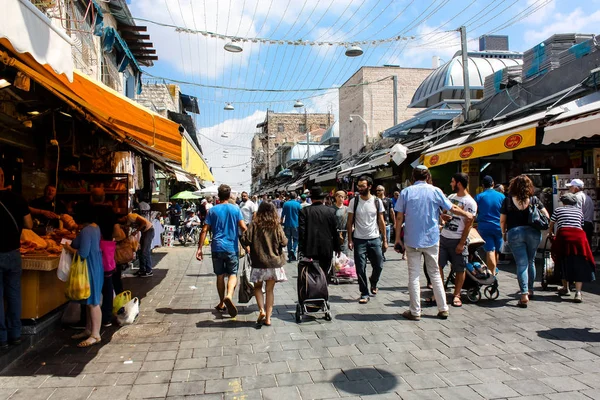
280	127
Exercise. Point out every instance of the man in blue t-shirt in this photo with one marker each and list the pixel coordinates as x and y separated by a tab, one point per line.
226	223
289	219
489	203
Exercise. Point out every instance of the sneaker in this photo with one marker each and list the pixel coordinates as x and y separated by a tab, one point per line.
578	298
408	315
107	324
443	315
563	291
146	274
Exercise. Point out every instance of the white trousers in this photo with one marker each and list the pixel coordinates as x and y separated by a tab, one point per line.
413	257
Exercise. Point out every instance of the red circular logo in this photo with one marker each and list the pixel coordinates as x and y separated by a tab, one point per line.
513	141
466	152
434	160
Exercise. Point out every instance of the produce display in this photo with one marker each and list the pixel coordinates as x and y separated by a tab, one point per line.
49	245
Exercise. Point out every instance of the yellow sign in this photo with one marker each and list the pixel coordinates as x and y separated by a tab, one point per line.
484	147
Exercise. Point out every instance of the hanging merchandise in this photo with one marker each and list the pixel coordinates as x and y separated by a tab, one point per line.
139	171
123	162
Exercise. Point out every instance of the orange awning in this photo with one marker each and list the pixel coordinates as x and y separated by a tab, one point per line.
104	106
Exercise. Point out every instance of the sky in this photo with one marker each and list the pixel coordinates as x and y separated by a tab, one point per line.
418	29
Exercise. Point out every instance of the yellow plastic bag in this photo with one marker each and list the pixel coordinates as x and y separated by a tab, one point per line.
206	241
78	285
120	300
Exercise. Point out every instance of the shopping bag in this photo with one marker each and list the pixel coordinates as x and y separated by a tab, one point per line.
120	300
246	287
129	312
206	241
64	265
78	285
124	252
72	314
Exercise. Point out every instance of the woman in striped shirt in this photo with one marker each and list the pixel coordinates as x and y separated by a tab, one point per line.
571	251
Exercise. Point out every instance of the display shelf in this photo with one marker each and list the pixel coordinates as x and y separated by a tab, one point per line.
67	193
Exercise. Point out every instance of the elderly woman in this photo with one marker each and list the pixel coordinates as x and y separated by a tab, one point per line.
571	251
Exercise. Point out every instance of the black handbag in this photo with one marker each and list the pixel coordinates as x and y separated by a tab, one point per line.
537	219
246	291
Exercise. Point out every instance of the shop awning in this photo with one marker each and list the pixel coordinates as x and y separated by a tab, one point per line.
104	106
192	161
583	122
326	177
30	31
180	174
501	142
297	184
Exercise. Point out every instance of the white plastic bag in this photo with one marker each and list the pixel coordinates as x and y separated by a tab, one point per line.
64	265
129	312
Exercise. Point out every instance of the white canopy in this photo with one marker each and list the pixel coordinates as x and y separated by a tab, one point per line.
208	191
29	31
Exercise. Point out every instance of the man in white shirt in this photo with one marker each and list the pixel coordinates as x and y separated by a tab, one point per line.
453	239
248	208
366	235
586	205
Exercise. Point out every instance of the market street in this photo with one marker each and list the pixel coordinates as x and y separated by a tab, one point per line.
180	346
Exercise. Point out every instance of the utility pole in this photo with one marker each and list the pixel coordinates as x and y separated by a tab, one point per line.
465	62
307	135
395	83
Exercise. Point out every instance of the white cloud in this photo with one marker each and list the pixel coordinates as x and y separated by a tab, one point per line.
329	102
578	20
542	15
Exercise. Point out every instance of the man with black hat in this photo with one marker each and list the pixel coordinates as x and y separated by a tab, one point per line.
317	231
489	202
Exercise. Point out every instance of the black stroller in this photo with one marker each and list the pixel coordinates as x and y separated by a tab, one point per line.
480	277
313	293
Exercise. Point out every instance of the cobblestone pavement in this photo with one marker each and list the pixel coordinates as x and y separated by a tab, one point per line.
180	346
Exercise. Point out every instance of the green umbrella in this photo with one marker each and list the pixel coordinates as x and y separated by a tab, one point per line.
185	195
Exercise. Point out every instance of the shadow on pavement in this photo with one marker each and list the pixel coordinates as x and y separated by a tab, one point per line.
365	381
570	334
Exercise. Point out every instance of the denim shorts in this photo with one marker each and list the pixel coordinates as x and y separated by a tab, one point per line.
225	263
493	239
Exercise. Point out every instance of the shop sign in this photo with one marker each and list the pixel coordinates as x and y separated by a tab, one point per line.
513	141
466	152
434	160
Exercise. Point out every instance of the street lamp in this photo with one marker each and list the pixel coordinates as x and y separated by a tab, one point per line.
298	104
354	51
364	122
228	107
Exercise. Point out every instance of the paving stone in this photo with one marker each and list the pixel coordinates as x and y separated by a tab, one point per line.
459	364
72	393
567	395
161	355
186	388
223	385
285	355
203	374
427	355
424	394
387	385
328	375
157	365
239	371
458	393
341	351
337	362
494	390
152	377
148	391
426	367
223	361
272	368
354	388
564	384
110	392
318	391
460	378
530	387
294	378
367	360
281	393
424	381
258	382
524	372
99	380
362	374
555	369
492	375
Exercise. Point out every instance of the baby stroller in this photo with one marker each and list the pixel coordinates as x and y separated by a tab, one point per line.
313	294
477	272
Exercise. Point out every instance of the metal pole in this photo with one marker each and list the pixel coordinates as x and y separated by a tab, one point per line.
395	82
268	148
465	60
307	135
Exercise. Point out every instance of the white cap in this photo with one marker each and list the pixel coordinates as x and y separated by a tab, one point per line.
306	191
576	182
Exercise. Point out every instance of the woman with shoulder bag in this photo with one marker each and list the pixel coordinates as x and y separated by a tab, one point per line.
517	229
266	240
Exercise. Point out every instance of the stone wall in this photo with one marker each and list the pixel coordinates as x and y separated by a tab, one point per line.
375	103
160	98
287	128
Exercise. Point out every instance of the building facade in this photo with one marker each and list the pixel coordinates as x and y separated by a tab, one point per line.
374	103
279	129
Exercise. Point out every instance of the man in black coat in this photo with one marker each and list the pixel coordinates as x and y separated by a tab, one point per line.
318	237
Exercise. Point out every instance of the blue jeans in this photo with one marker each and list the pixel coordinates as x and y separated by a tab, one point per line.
371	248
291	233
10	291
146	250
524	241
388	233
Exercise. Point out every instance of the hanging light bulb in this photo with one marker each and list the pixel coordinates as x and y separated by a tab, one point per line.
354	51
233	47
228	107
225	151
298	104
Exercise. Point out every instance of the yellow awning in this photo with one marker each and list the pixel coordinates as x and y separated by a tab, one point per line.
193	163
495	144
104	106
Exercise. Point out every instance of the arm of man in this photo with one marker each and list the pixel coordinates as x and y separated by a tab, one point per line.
349	229
503	225
463	239
205	229
27	222
47	214
382	230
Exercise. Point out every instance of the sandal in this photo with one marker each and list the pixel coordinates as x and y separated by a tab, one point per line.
522	304
220	309
231	309
83	335
261	317
363	300
456	302
374	291
430	301
88	343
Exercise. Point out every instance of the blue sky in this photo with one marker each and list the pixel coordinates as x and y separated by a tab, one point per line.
426	27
